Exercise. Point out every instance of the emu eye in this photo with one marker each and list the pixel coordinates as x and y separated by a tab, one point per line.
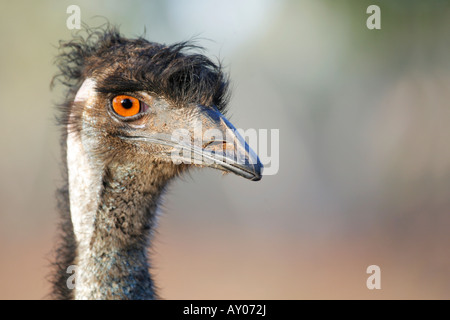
126	106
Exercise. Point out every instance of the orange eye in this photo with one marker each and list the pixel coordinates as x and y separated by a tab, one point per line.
126	106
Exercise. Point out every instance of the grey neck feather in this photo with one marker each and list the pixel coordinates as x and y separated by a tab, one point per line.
112	218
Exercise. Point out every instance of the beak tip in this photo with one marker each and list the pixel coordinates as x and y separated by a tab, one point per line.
252	172
258	171
256	178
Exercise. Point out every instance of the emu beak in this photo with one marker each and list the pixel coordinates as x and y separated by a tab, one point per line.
215	143
224	148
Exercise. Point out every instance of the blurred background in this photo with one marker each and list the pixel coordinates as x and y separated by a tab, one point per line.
364	153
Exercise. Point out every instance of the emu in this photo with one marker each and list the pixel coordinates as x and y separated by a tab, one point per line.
127	101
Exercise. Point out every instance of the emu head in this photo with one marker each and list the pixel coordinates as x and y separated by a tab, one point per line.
138	103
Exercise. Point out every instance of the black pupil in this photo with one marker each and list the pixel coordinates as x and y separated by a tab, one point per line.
127	103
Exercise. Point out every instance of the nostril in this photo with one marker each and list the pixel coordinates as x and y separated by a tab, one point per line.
207	144
216	145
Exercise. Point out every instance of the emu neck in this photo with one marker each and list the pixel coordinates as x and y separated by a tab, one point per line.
112	208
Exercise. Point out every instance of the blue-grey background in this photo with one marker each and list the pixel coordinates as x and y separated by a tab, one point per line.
364	120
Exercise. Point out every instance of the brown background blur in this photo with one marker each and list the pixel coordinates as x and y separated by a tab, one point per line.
364	120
